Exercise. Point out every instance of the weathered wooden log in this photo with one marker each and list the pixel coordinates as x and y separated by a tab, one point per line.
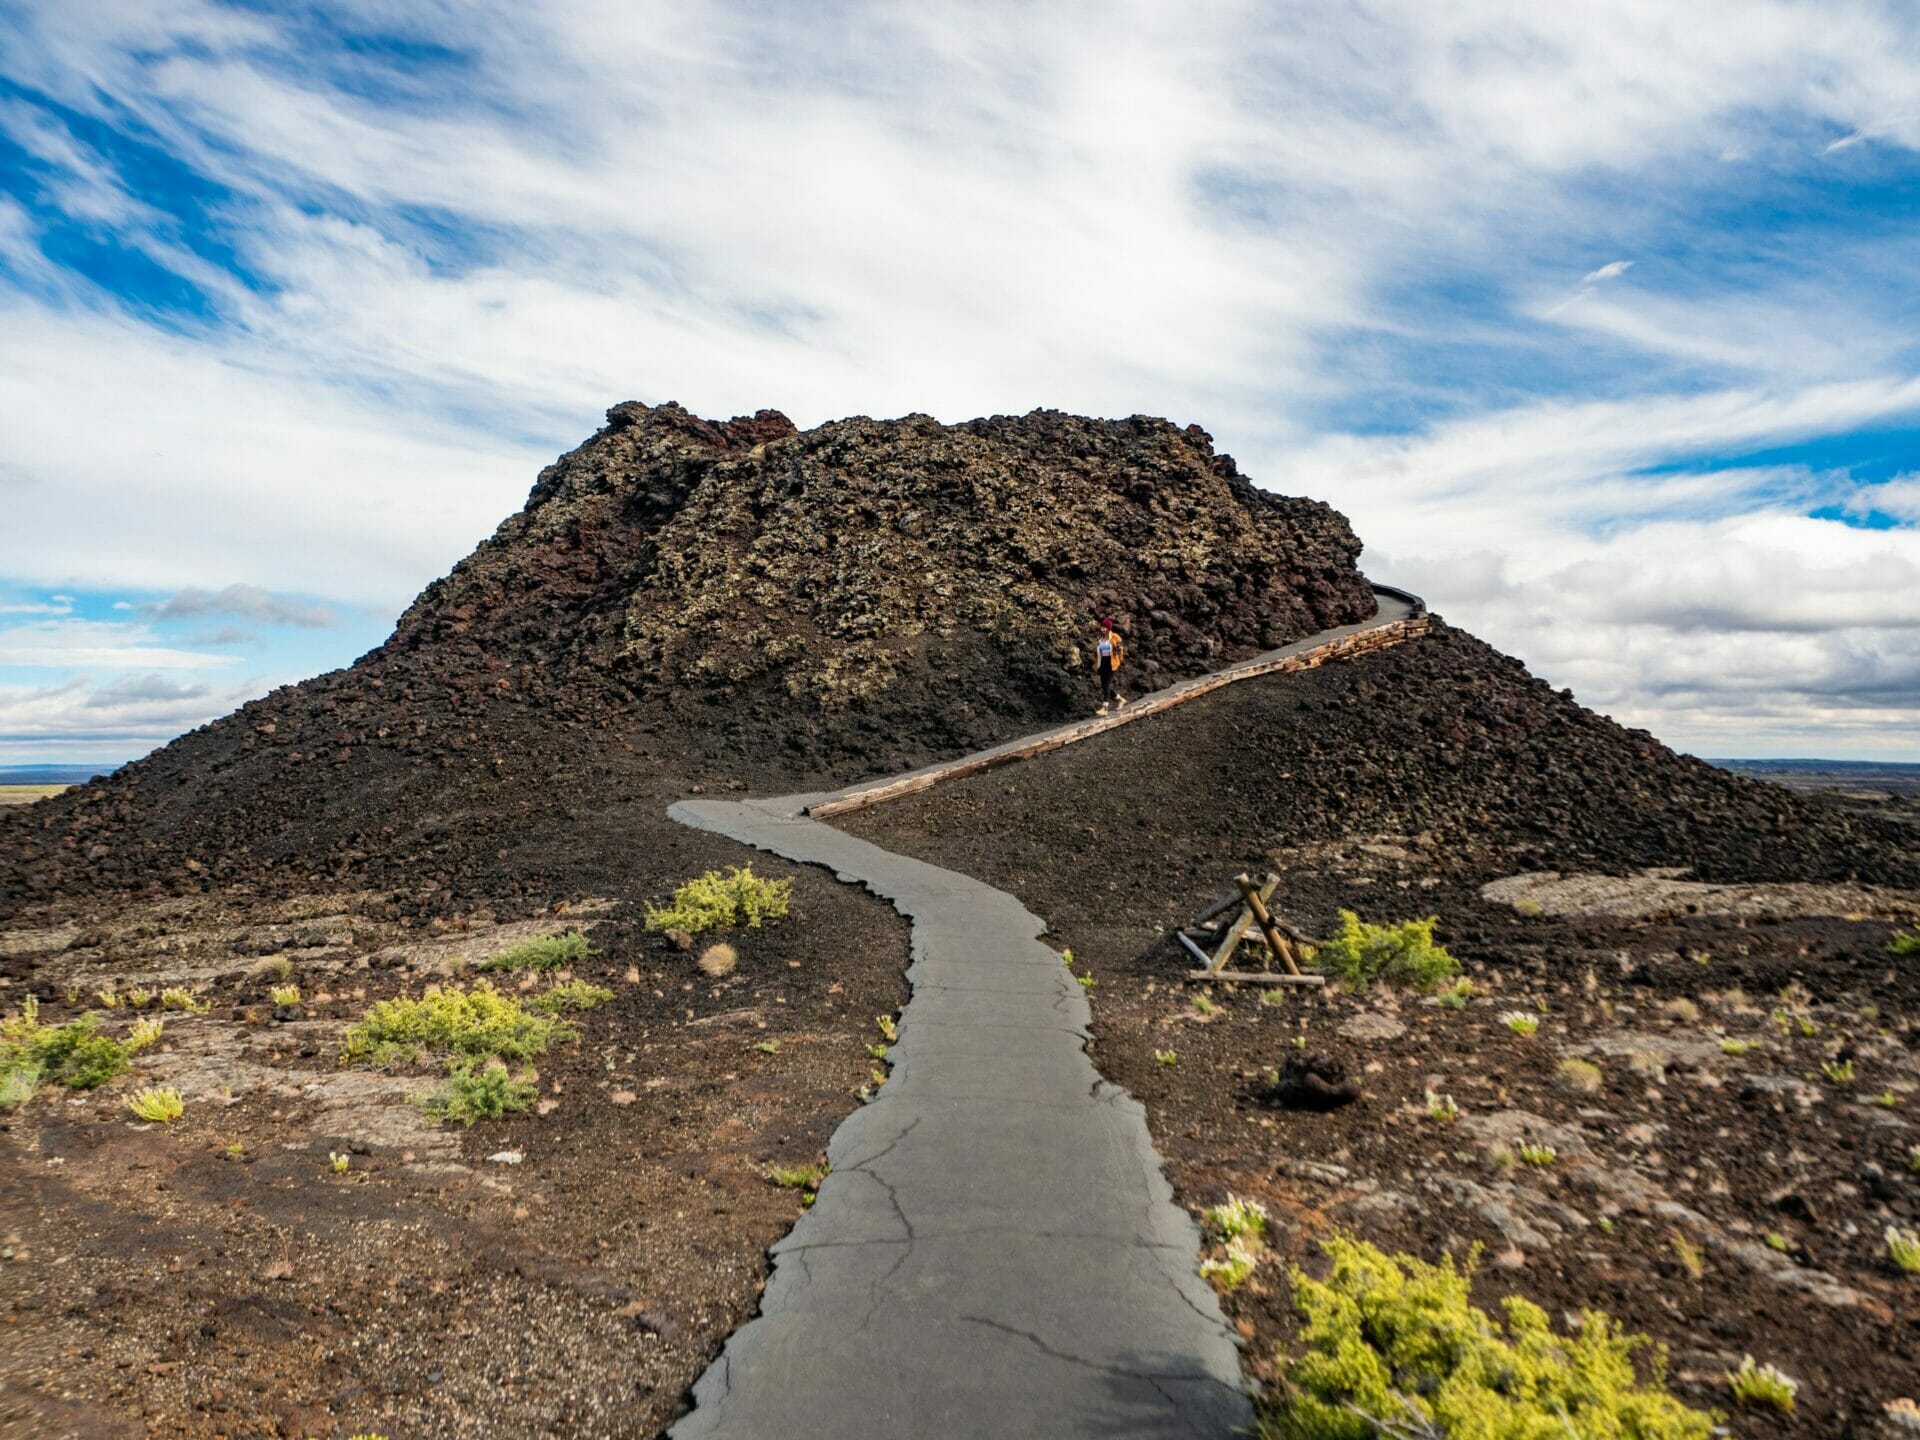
1275	940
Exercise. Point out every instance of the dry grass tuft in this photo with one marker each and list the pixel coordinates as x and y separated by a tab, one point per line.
718	960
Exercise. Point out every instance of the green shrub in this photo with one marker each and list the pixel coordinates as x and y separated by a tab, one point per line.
574	995
477	1023
476	1091
74	1054
716	901
1906	942
1396	1346
1398	954
543	952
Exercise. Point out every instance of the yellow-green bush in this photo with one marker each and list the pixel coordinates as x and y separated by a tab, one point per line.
1391	1341
1907	942
717	900
74	1054
478	1023
1398	954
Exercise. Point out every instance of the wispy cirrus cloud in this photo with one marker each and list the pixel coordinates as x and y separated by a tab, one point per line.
300	299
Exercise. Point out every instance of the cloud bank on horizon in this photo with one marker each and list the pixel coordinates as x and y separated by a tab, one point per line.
1599	321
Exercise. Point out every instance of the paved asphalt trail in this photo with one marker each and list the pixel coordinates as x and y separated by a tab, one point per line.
996	1252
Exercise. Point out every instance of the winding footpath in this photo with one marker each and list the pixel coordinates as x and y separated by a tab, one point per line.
996	1251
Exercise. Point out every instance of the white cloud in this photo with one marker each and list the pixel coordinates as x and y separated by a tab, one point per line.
80	720
96	643
249	602
1210	212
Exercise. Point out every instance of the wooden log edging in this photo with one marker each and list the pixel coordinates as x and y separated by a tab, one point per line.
1346	643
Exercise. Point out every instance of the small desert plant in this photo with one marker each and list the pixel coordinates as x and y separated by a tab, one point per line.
178	997
1840	1072
1692	1259
542	952
1913	1159
1238	1218
476	1023
1395	1347
1441	1107
160	1105
145	1034
1204	1005
716	901
1537	1154
338	1162
797	1177
1906	942
139	999
768	1047
1583	1075
1066	958
1731	1046
479	1091
1683	1010
1402	954
1087	980
272	967
1166	1057
1903	1248
1776	1241
1763	1385
284	995
887	1027
718	960
571	995
1526	905
878	1052
1229	1270
1456	995
1520	1022
1887	1099
111	999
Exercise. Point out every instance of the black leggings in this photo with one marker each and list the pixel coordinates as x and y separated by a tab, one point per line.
1107	680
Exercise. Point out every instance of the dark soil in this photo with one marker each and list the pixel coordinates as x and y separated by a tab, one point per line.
1396	785
218	1278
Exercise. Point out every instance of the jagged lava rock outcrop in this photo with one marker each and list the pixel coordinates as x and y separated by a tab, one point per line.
904	572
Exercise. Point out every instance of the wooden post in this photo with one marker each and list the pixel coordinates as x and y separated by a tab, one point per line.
1275	940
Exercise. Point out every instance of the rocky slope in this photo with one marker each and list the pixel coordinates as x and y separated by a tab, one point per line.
684	602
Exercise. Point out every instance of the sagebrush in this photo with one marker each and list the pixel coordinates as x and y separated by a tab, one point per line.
1395	1346
721	900
543	952
480	1091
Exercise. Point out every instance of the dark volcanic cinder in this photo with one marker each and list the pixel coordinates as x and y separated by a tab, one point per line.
682	601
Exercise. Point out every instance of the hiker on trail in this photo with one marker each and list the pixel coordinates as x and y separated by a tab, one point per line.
1108	652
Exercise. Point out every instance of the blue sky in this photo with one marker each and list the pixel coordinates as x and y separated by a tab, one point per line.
1601	322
